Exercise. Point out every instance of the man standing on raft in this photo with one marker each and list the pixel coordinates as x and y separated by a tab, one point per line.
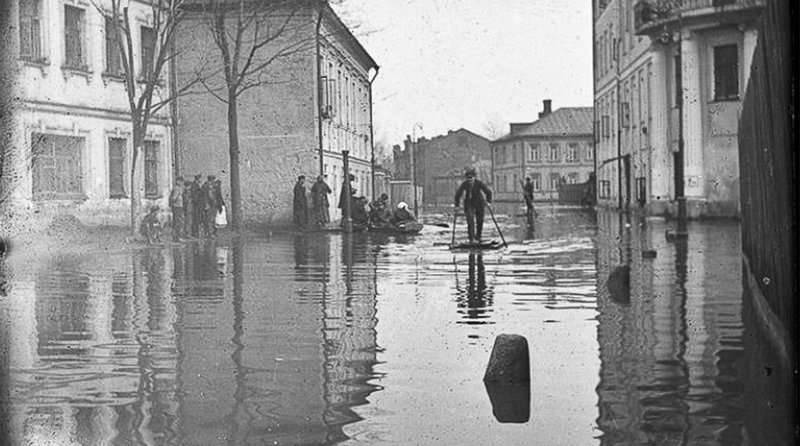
476	195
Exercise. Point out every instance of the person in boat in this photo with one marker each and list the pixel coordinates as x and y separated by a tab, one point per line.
402	215
476	195
360	214
300	203
380	214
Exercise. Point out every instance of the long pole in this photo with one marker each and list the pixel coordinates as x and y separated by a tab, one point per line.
680	193
455	219
347	220
413	167
491	212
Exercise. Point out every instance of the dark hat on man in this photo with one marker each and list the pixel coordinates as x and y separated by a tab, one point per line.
199	176
470	172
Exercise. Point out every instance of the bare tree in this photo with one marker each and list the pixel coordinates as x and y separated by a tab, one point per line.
144	83
252	36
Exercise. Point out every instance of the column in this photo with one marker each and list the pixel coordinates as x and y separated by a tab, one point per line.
692	117
659	127
749	42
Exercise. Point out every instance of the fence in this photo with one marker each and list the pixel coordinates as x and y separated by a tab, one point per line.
767	161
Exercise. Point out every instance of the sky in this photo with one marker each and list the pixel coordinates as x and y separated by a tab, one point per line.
476	64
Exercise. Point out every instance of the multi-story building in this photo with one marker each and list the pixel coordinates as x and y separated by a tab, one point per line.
71	134
669	77
440	163
306	109
555	149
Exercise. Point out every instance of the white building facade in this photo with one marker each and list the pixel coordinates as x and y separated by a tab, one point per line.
72	127
666	72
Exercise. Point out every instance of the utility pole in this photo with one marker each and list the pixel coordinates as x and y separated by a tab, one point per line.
680	194
347	220
413	167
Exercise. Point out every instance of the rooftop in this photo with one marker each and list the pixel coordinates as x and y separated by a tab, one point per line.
562	122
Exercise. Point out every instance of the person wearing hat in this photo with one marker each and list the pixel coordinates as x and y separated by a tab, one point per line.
209	206
319	202
151	227
188	207
476	195
300	203
176	205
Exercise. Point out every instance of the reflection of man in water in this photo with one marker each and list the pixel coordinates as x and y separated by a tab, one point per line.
478	296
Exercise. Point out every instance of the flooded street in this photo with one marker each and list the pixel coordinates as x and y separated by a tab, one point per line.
376	339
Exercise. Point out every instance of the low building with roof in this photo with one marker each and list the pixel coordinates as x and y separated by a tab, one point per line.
555	149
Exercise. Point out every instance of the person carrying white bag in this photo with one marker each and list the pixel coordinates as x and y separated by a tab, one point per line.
221	219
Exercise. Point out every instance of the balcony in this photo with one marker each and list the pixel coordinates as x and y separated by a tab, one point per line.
658	16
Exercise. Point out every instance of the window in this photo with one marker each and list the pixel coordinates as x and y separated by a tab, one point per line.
590	153
572	153
641	190
533	153
726	72
678	80
116	167
515	183
113	57
56	169
553	152
555	179
151	149
74	37
148	40
605	126
605	189
30	29
626	115
572	178
536	180
514	154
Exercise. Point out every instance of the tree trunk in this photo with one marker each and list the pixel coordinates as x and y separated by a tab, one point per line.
136	197
233	149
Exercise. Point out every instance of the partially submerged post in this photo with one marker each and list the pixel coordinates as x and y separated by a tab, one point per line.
509	362
507	379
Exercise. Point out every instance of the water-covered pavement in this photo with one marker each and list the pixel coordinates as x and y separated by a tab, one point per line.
365	339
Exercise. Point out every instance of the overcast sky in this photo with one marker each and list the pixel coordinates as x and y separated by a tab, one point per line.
472	63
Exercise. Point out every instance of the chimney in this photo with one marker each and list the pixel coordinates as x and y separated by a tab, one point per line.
547	108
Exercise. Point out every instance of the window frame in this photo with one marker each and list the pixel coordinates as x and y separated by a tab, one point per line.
37	39
154	192
124	162
83	63
719	82
57	159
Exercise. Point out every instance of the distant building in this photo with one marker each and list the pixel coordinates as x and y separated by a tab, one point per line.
440	163
555	149
71	124
659	64
319	106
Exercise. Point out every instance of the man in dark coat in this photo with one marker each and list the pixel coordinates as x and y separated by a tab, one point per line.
209	206
527	190
176	204
476	195
188	208
199	205
319	201
219	201
300	203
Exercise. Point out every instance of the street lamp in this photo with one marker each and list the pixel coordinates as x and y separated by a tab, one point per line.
413	168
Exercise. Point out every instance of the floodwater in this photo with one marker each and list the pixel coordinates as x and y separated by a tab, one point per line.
364	339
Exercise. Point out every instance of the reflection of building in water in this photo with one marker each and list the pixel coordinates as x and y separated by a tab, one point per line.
668	356
349	335
88	355
169	344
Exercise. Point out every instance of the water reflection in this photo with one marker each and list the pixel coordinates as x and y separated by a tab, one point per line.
474	301
181	345
669	353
